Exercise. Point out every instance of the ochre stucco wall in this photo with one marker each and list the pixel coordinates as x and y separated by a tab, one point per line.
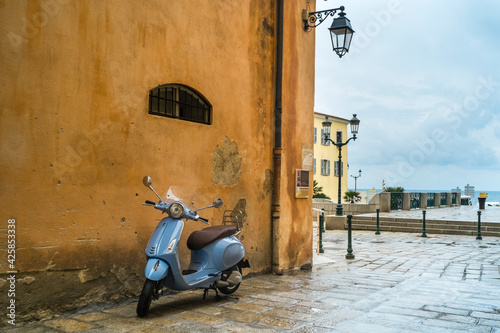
76	138
298	103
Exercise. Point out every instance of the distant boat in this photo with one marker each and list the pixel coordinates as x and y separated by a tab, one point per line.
493	204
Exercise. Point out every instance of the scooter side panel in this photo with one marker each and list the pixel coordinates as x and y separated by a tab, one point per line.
156	269
226	252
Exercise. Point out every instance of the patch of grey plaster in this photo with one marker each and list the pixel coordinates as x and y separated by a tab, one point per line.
241	206
226	165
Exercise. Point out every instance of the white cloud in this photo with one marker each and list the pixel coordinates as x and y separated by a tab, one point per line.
426	67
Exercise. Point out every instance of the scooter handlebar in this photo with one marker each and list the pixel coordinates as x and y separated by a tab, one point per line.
203	220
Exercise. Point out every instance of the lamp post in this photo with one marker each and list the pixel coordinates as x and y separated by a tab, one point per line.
327	124
340	31
356	179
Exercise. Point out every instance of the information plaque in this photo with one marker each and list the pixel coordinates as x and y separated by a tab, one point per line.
301	184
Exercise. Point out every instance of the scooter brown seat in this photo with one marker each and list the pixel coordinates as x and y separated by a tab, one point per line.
201	238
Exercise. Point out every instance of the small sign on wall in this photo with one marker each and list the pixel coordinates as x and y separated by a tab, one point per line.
301	184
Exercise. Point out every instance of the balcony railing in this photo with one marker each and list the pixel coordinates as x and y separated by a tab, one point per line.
414	200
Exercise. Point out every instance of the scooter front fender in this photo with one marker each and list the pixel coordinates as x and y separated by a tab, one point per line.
156	269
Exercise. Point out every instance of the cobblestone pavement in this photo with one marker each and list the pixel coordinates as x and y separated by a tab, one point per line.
398	282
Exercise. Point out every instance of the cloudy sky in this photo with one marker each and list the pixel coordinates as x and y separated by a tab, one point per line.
424	79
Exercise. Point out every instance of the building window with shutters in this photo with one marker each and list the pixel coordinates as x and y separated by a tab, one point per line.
325	167
339	136
315	135
180	102
314	166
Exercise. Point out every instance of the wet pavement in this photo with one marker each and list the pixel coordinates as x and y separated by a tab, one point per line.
398	282
459	213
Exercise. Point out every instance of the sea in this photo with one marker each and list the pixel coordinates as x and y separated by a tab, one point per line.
493	196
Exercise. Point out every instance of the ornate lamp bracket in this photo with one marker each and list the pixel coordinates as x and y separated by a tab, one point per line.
313	19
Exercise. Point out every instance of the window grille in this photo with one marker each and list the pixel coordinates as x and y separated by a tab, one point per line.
181	102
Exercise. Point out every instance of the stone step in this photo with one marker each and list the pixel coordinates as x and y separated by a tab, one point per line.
384	218
428	231
433	224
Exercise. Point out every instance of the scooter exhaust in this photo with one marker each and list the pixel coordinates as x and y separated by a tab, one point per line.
232	280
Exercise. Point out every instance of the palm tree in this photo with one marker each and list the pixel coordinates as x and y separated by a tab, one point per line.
394	189
318	191
352	196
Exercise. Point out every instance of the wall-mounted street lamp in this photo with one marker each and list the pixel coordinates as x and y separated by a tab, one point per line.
327	124
340	31
356	179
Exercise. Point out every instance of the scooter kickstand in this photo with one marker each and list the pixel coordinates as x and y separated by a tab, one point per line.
217	296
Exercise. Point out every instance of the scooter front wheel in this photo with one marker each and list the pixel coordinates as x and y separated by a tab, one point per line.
146	297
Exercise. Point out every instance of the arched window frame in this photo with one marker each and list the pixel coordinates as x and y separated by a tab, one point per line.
180	102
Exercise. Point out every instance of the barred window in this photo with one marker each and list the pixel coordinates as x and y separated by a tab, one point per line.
181	102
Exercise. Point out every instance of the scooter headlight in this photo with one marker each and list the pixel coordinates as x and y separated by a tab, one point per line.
176	210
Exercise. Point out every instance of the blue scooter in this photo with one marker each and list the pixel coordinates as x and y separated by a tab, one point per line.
217	256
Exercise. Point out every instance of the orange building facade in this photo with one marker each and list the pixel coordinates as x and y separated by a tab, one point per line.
77	136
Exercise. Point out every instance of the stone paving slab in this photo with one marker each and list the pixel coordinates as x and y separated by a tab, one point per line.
398	282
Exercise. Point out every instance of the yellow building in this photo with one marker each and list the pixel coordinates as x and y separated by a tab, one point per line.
97	94
326	156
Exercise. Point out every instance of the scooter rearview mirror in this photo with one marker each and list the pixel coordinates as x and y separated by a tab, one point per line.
147	181
218	203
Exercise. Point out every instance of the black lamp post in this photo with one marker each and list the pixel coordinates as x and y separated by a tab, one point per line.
327	124
340	31
356	179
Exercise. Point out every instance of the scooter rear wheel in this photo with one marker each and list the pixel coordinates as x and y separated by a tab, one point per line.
230	290
146	297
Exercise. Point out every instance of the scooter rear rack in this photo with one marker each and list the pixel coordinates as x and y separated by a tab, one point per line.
233	217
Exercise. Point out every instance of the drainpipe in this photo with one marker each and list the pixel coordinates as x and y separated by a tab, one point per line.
275	214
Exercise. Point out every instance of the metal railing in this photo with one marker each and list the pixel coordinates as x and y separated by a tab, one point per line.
431	200
443	199
396	200
414	200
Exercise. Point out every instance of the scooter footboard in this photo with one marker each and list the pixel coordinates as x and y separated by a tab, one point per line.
156	269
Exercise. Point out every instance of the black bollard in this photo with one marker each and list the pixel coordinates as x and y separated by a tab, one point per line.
423	224
378	222
479	225
321	230
349	254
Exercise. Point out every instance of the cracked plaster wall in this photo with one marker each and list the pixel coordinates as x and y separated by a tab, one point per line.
76	137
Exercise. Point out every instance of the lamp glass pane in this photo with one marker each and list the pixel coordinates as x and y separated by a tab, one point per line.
348	38
354	127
